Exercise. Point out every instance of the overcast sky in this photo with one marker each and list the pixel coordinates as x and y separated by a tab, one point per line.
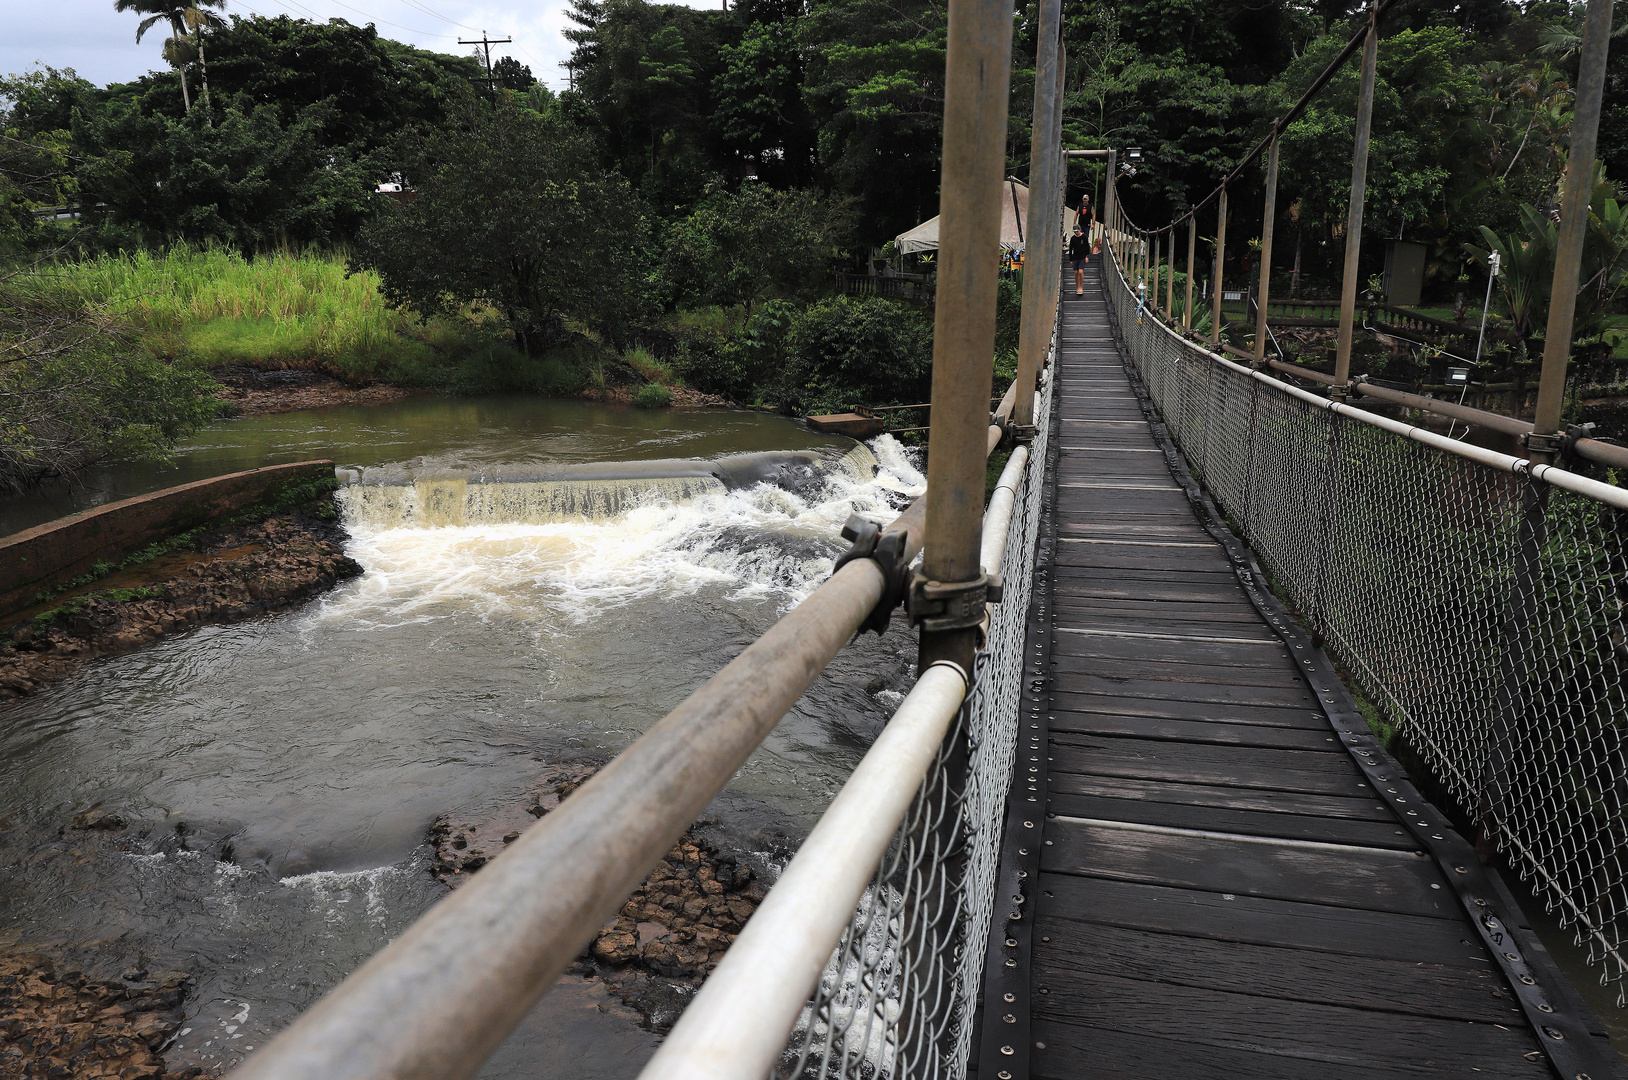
100	44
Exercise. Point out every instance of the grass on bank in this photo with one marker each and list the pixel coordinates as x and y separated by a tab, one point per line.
208	307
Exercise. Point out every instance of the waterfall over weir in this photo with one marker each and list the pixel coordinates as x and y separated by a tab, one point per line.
387	498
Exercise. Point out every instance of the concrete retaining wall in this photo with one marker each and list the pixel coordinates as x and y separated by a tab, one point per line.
59	550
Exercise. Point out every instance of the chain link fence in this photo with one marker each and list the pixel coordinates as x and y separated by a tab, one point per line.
1479	611
900	995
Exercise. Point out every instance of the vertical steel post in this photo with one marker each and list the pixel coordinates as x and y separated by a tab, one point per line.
1160	256
1040	266
1220	259
977	85
1055	274
1110	205
1532	533
1192	249
1585	128
1170	282
1353	221
1268	222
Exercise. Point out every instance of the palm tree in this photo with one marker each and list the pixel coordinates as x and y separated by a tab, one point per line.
187	20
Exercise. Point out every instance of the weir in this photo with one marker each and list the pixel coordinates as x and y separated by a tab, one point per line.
390	498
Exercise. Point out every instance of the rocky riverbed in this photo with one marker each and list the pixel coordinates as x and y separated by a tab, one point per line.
231	574
675	928
56	1020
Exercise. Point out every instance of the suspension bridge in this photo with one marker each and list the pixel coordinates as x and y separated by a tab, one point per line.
1134	819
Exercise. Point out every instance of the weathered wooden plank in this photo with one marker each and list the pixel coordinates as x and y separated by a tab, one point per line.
1281	697
1284	674
1085	1052
1175	653
1365	808
1327	830
1140	557
1118	705
1259	920
1350	876
1193	611
1068	957
1215	732
1317	1033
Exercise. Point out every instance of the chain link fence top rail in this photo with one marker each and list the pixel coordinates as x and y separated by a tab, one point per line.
1480	612
900	995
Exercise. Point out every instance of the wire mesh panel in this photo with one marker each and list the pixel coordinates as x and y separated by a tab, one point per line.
899	997
1481	612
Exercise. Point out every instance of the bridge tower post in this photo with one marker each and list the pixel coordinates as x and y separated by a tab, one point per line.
1220	262
1543	441
1353	222
1574	204
1268	222
1170	282
1045	211
977	84
1192	250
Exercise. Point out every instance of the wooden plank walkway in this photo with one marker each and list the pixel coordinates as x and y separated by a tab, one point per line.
1221	891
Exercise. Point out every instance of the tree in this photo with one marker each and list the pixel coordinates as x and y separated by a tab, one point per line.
736	248
74	391
510	74
185	18
513	211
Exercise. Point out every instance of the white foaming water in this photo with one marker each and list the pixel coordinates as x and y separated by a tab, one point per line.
761	541
330	888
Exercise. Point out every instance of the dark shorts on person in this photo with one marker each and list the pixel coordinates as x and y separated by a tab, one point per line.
1079	264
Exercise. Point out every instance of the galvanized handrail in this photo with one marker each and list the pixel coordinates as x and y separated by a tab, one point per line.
1561	478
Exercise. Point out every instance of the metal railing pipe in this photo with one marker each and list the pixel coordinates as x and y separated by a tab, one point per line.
1602	453
1609	494
998	516
439	999
736	1027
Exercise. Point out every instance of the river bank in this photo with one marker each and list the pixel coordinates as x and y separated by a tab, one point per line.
225	575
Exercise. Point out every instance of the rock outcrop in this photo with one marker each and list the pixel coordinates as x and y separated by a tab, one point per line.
669	935
240	572
57	1021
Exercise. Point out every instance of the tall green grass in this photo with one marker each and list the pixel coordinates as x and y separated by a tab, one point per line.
285	309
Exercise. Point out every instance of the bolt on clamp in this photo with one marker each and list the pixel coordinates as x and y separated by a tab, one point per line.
887	551
1551	443
951	605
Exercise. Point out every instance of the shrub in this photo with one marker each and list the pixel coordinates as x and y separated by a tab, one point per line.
651	396
845	350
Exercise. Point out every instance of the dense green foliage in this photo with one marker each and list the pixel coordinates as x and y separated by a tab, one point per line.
73	392
514	213
674	215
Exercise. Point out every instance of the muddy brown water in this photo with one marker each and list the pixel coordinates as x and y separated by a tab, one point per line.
278	776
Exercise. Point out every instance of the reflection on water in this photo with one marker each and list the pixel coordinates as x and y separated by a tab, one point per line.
430	431
313	748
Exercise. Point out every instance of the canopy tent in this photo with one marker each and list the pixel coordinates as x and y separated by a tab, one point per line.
1014	198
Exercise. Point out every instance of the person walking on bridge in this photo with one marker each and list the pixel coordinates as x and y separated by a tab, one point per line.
1079	253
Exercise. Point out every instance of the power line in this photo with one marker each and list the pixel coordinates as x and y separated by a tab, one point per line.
426	9
486	44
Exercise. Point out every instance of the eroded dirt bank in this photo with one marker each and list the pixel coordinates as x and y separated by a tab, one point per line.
235	573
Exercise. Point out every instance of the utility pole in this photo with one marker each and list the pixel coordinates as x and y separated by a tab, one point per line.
486	44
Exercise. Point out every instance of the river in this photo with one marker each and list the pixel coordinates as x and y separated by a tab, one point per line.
279	774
